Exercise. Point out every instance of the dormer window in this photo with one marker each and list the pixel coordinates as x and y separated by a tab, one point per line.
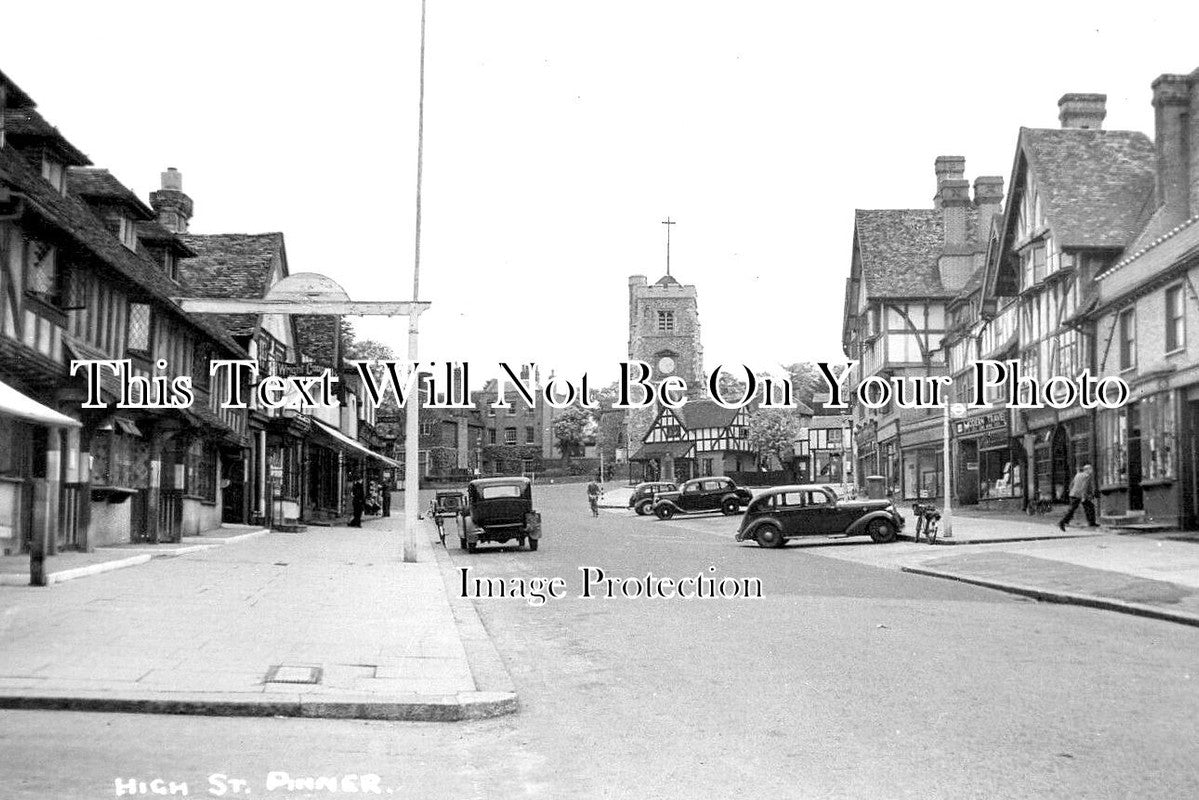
55	172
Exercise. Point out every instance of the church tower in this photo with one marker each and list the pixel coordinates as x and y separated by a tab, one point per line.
664	333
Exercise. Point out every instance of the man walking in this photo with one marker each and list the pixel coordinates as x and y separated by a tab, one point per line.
1082	490
593	495
358	499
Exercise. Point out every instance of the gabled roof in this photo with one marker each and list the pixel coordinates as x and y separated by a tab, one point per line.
1094	184
79	223
899	250
96	183
229	264
316	337
698	414
26	123
155	234
16	97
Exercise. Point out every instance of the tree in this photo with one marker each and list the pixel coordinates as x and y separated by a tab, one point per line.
772	432
368	350
570	428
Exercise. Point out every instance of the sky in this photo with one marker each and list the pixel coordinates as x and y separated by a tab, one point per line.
559	134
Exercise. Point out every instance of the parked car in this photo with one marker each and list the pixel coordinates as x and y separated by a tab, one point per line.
810	510
500	510
702	494
644	494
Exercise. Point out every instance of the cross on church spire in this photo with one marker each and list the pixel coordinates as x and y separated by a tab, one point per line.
668	222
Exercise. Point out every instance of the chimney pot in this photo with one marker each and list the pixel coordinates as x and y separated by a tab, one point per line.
170	204
1085	111
172	179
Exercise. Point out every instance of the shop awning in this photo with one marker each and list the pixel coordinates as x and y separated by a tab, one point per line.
334	433
16	404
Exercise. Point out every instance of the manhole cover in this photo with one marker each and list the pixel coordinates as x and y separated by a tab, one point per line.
283	673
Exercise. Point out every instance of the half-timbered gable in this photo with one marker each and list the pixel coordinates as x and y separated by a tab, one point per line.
1078	197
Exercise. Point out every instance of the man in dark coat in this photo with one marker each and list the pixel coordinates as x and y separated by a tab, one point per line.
1082	490
358	498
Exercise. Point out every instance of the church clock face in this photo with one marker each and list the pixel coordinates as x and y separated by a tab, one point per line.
666	365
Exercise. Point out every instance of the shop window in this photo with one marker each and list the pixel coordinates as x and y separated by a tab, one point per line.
999	473
1113	447
1158	452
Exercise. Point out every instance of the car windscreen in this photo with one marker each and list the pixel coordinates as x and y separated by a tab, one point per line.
491	492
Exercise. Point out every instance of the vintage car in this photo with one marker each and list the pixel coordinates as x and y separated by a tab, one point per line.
787	511
644	494
702	494
500	510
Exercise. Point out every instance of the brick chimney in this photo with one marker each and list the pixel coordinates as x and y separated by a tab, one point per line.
988	197
1174	139
1082	111
173	207
952	197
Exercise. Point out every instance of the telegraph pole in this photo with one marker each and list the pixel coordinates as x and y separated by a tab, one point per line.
412	423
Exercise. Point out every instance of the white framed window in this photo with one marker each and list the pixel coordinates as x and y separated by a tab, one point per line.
1176	332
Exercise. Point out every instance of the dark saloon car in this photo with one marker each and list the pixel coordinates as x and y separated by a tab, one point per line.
779	514
500	510
702	494
644	494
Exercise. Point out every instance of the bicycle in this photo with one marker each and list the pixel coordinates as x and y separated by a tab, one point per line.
928	520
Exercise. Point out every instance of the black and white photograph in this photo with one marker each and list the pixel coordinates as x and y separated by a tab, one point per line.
472	399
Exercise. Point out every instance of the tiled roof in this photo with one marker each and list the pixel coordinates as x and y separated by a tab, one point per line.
95	182
229	264
899	249
1094	184
317	337
698	414
237	324
151	231
27	123
16	97
70	214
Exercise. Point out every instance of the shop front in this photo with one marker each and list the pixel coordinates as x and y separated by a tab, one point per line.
989	464
1058	452
1139	469
922	459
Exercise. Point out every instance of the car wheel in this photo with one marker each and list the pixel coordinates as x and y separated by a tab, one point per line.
642	508
881	531
769	536
533	544
664	512
730	506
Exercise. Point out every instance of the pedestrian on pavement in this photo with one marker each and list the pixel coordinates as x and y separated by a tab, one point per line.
1082	490
358	498
387	498
593	495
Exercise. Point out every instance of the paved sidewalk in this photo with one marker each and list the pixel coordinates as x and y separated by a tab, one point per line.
327	623
1147	576
69	565
985	529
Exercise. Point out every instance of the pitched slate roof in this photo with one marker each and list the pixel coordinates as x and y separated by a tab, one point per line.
77	220
705	414
1094	184
151	231
317	338
98	183
16	96
899	249
229	264
27	123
